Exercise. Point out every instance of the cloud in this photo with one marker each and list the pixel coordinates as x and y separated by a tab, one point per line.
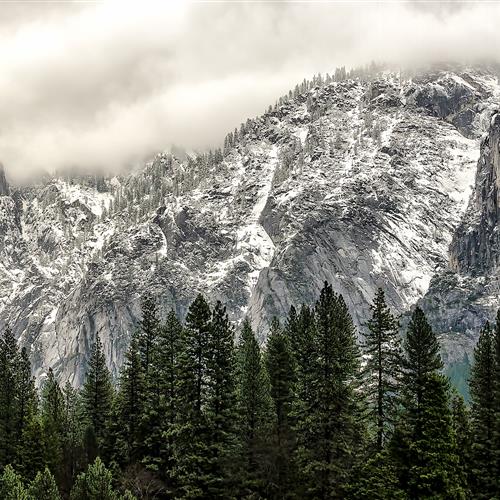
109	84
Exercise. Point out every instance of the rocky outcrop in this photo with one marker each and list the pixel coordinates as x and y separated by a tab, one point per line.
467	294
363	183
476	245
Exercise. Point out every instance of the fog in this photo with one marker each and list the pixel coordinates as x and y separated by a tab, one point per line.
109	84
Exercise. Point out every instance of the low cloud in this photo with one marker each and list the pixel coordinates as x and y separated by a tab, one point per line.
108	84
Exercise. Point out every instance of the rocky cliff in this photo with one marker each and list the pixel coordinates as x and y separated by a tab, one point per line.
363	182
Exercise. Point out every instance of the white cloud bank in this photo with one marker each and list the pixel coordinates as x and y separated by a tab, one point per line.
108	84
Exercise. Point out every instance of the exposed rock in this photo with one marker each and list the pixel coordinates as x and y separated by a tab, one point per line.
361	183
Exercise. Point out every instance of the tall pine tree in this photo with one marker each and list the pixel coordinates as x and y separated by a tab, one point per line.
482	389
382	349
424	442
254	408
330	434
97	398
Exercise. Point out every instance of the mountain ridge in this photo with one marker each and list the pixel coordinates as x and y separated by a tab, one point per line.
362	182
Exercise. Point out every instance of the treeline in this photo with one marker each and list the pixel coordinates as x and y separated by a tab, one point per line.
314	415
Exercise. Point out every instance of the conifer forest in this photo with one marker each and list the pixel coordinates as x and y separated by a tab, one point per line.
313	414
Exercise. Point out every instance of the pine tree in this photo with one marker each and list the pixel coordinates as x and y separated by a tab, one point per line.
463	437
434	466
32	453
11	485
26	396
170	339
97	397
424	443
130	403
483	416
52	414
44	487
221	401
254	408
9	362
376	479
280	369
382	349
190	435
72	438
330	435
496	433
96	483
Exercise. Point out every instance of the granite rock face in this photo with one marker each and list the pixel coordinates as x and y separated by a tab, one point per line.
467	293
362	182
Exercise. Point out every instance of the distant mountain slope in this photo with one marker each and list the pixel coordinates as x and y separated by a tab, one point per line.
363	182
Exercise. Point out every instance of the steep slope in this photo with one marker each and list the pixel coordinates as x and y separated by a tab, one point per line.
467	293
361	182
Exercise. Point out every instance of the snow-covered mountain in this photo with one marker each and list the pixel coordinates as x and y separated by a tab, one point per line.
389	180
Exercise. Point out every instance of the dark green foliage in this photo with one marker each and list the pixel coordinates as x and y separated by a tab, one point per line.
463	436
421	358
280	369
191	432
482	389
496	432
195	417
11	485
96	483
97	398
53	419
9	421
434	467
376	479
130	405
330	433
221	400
254	405
382	349
44	486
424	442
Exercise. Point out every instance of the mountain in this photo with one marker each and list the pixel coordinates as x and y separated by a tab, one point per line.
364	180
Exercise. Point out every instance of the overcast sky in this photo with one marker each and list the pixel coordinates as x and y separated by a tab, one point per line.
110	83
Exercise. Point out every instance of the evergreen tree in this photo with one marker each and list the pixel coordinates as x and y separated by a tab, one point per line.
32	453
44	487
97	397
329	436
383	355
424	443
9	362
376	479
190	435
26	393
131	404
96	483
11	485
254	408
52	414
496	432
434	466
463	437
170	345
72	437
221	400
483	416
280	369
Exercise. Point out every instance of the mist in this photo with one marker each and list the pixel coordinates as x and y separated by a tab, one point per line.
107	85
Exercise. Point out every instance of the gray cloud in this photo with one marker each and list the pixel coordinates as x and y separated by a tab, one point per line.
108	84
